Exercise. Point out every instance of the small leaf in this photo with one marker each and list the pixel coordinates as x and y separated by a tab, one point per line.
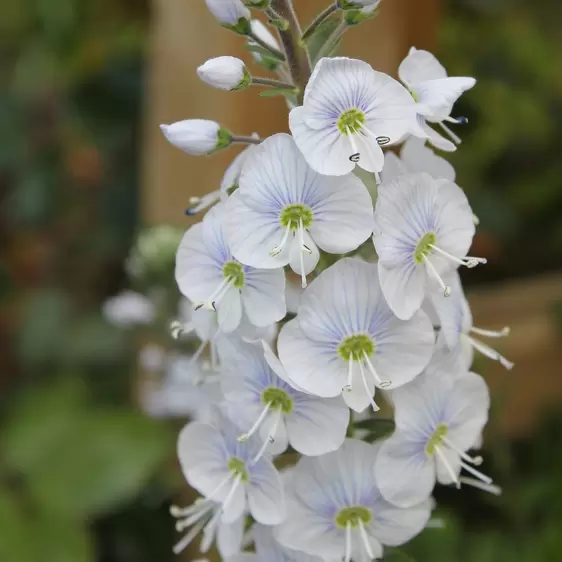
321	35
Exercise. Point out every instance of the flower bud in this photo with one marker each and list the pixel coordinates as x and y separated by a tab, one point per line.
197	136
231	14
225	73
354	17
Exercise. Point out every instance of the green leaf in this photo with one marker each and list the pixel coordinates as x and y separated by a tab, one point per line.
106	460
377	428
321	35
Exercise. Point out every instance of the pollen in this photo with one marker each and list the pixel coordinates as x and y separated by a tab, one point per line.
353	515
278	399
351	121
354	348
435	440
292	215
234	271
238	468
424	247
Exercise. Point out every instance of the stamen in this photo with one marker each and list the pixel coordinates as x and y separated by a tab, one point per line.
452	135
192	519
378	380
469	261
209	531
489	352
366	387
212	304
270	437
188	539
304	247
491	333
477	473
347	557
356	155
365	539
301	256
457	120
348	386
448	467
446	289
490	488
262	416
474	460
199	204
382	140
177	329
278	249
213	295
221	485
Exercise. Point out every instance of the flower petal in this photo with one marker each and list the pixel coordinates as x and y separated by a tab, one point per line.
404	473
314	366
420	65
265	494
343	217
326	150
403	288
309	260
263	295
317	425
229	311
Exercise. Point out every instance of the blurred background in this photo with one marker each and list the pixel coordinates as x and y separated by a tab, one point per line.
87	454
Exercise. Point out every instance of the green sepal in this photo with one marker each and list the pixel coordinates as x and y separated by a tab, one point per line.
355	17
258	4
242	27
279	23
244	83
224	139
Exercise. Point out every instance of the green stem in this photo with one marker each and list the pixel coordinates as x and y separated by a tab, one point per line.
318	21
297	55
245	140
330	43
270	83
271	50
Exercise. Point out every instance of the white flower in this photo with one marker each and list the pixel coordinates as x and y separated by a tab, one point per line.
261	399
207	273
205	516
283	209
345	339
229	184
434	92
423	229
268	549
236	474
438	418
458	330
225	73
337	511
416	157
129	309
231	14
197	136
349	111
184	391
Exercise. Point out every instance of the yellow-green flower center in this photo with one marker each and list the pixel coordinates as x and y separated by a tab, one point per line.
436	439
238	468
278	398
351	121
233	270
424	247
292	215
354	348
353	516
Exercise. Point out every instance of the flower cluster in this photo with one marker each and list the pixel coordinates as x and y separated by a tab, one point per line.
318	297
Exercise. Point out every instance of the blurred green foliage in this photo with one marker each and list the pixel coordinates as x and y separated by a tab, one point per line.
83	475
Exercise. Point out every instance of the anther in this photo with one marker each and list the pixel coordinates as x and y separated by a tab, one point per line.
382	140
